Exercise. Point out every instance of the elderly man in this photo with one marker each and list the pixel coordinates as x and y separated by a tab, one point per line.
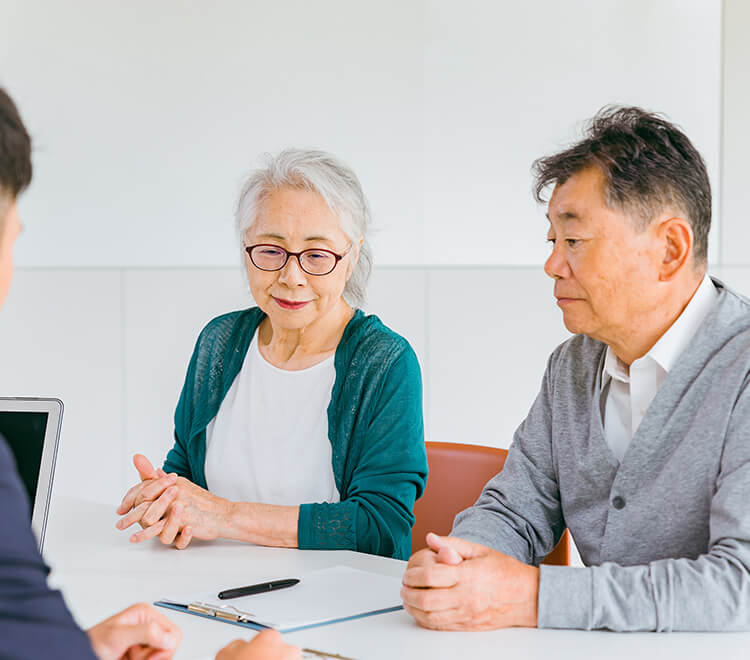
639	440
34	621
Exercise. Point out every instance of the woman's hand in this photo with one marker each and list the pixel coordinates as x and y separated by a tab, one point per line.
176	510
137	632
172	508
153	483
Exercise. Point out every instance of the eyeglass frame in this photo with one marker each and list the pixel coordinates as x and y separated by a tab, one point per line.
249	249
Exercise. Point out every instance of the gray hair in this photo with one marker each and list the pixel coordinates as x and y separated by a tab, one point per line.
334	181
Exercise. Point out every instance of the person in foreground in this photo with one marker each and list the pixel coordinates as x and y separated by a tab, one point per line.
300	420
639	440
34	621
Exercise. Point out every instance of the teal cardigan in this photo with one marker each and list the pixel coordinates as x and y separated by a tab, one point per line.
374	424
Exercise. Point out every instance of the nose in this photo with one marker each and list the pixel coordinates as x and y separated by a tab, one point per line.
556	265
292	274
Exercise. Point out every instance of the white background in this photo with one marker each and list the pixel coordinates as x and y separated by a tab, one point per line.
147	115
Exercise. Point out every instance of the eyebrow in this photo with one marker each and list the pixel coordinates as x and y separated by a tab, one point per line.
307	239
566	216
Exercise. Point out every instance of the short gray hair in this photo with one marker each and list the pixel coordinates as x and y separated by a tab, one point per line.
334	181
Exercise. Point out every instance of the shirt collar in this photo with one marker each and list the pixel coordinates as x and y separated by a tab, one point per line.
674	341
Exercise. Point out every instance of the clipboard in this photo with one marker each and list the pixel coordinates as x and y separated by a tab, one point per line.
331	595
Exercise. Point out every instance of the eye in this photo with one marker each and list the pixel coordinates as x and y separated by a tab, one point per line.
270	251
573	242
317	256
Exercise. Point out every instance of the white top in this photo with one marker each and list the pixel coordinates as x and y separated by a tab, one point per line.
269	441
627	393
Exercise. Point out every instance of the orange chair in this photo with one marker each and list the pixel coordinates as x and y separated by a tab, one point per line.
457	475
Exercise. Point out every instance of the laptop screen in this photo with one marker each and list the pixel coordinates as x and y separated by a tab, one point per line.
24	432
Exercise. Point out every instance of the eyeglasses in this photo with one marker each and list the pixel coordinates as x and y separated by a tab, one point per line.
314	261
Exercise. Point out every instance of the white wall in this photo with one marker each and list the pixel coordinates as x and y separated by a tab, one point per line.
114	345
146	116
735	191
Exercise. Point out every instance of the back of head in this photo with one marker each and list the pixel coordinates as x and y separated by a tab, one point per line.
648	165
15	153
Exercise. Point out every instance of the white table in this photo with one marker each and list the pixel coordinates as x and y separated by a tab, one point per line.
100	573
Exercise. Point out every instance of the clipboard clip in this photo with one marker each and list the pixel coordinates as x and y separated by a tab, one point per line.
223	613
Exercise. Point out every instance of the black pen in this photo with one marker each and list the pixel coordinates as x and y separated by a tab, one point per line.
257	588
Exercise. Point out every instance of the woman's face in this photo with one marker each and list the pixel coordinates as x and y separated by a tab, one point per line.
298	220
10	227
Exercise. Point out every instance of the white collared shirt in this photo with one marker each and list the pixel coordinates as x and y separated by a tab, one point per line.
627	393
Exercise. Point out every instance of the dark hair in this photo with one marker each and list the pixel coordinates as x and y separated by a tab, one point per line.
15	149
648	164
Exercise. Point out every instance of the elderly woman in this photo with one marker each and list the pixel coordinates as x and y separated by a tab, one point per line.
300	420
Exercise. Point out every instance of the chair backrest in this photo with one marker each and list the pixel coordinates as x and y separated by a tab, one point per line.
457	475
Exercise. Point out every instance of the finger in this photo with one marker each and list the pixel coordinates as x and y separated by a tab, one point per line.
129	499
159	655
150	633
444	620
148	613
144	467
436	575
230	650
148	533
445	553
155	488
143	613
454	549
431	600
184	538
172	526
141	652
133	517
158	508
422	557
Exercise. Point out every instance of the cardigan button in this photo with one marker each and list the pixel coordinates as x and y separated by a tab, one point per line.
618	502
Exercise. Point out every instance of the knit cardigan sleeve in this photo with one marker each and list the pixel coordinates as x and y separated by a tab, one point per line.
385	466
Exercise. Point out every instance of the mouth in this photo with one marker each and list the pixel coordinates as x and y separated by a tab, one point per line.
562	300
290	304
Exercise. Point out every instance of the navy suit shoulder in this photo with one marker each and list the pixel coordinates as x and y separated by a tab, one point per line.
34	621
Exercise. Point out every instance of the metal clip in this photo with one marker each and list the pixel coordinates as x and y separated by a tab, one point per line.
221	613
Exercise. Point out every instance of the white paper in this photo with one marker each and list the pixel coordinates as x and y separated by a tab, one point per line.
320	597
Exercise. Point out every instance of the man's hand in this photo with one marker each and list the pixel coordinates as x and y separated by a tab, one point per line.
136	633
266	645
459	585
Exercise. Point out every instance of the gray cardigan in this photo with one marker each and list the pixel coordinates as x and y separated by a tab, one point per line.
665	535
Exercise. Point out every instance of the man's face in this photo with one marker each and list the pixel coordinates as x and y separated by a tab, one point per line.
10	228
605	271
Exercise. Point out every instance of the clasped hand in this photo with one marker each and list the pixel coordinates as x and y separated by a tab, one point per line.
171	507
457	585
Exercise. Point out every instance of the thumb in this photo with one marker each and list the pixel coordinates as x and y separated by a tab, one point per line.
144	467
452	550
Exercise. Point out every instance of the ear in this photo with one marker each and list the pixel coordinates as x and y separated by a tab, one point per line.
355	257
677	240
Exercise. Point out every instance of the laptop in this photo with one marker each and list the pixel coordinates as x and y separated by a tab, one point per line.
31	427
